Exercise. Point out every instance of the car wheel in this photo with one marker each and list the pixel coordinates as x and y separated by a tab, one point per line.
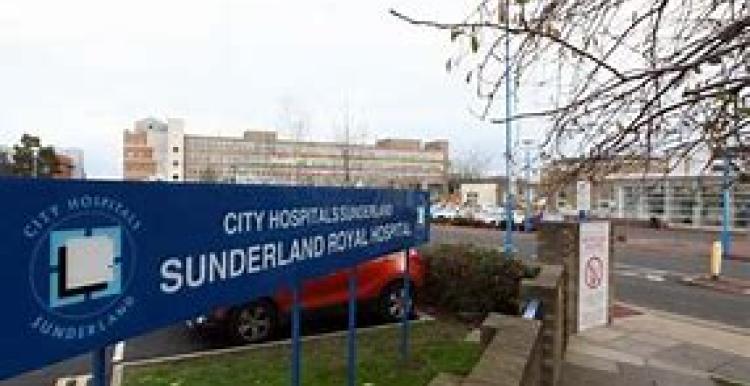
391	303
254	322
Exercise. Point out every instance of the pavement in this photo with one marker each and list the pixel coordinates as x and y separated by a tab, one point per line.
656	348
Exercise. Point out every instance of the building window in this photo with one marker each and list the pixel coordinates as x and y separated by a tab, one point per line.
175	163
472	198
175	149
175	177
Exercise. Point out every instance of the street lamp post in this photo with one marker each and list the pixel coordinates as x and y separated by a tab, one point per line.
727	169
527	166
35	162
726	237
508	244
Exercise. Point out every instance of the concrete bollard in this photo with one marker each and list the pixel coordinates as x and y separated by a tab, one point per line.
716	253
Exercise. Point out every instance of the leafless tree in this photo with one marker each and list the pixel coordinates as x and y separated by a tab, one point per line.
351	131
664	79
470	164
295	121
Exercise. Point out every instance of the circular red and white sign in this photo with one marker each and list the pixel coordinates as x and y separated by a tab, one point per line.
594	272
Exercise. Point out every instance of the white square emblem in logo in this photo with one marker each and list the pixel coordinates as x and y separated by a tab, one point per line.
89	262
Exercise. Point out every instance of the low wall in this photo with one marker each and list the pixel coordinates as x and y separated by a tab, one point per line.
512	354
523	352
550	288
558	245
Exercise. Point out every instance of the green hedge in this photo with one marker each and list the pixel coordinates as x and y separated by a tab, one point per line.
462	278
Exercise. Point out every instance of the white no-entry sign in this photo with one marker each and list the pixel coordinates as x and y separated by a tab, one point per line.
593	282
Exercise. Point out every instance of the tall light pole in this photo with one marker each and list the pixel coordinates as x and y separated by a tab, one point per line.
347	141
726	236
508	245
727	168
527	144
35	162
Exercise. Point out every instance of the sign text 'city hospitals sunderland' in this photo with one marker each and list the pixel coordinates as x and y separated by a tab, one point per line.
86	264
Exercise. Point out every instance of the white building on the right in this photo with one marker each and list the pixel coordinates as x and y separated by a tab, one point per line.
687	196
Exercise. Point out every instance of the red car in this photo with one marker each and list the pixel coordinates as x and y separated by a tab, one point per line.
380	285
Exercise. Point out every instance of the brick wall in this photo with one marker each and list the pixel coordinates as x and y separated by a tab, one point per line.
513	354
558	244
549	287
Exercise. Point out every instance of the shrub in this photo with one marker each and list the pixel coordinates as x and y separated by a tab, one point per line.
468	279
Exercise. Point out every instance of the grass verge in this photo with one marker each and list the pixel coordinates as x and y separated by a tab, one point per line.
436	346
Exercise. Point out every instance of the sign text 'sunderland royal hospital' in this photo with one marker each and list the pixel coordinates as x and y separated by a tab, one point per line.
86	264
205	268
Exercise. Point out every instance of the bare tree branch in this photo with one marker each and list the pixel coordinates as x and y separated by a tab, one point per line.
663	79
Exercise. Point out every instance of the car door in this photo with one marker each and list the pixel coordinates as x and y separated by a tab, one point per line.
324	291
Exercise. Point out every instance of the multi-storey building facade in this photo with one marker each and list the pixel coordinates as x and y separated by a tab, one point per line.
157	150
153	150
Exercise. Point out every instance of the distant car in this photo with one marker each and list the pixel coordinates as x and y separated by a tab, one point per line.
492	217
466	212
534	222
496	217
380	287
444	213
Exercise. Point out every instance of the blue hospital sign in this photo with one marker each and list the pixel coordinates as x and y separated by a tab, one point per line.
86	264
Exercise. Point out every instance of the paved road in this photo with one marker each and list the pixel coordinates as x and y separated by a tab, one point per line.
647	270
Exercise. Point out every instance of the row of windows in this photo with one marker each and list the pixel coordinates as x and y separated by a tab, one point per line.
241	147
282	155
395	168
143	153
140	167
320	162
199	172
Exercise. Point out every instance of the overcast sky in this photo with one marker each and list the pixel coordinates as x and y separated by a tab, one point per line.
78	72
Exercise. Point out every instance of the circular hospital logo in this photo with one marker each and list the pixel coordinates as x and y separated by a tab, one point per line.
81	266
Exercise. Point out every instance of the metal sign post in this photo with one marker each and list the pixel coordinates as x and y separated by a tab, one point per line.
405	310
296	346
352	334
583	199
99	367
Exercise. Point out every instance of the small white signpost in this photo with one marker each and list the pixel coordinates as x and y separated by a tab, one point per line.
593	276
583	196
